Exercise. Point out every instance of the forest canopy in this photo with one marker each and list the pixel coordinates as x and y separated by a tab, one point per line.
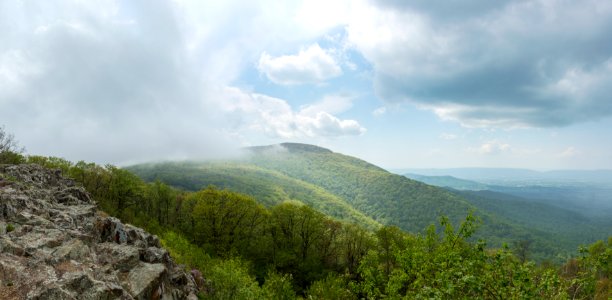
245	250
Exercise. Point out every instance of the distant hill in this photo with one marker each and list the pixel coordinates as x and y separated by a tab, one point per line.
570	227
576	212
449	181
347	188
587	192
510	175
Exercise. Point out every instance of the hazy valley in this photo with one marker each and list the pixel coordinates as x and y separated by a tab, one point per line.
303	149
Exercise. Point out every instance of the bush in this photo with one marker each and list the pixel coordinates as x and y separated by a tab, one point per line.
230	279
10	152
332	287
278	287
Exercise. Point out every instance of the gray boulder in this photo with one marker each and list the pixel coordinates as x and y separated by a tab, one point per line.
54	244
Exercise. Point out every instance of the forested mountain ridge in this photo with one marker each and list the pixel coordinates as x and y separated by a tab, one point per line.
356	188
269	187
448	181
239	249
568	226
574	209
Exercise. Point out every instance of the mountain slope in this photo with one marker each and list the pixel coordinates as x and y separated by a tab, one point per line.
267	186
448	181
571	228
388	198
567	210
341	186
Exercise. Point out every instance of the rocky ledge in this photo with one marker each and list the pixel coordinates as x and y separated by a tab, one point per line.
55	244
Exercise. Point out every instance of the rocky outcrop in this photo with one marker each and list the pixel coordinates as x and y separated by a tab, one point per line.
55	244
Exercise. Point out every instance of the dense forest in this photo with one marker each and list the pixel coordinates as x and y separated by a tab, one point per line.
269	187
289	250
353	190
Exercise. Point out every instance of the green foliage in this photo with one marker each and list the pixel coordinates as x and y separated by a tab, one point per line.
11	158
230	279
224	222
10	151
184	252
297	251
568	229
591	273
348	189
331	288
267	186
9	227
278	287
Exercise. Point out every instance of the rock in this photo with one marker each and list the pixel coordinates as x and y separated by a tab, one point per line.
60	247
145	280
155	255
111	230
198	278
122	258
72	195
72	250
51	293
8	246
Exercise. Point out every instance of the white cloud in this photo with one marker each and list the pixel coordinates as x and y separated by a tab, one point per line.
493	147
569	152
275	117
117	82
379	111
333	104
311	65
448	136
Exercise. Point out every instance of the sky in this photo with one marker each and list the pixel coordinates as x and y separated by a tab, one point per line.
401	84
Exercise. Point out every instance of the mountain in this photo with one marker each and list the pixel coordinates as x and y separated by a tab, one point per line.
570	227
339	185
55	244
269	187
388	198
515	176
449	182
587	192
575	210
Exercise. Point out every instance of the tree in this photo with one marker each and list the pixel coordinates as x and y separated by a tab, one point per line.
10	151
125	189
225	221
390	239
522	249
296	232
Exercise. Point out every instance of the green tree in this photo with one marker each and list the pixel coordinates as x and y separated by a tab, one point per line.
229	279
225	222
330	288
278	287
304	242
124	190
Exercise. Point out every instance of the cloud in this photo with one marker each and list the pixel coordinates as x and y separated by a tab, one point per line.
311	65
275	117
119	82
334	104
379	111
493	147
569	152
525	63
448	136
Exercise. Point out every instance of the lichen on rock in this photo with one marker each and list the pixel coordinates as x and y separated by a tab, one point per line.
60	247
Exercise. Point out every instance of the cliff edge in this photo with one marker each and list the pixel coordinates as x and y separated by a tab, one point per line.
55	244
